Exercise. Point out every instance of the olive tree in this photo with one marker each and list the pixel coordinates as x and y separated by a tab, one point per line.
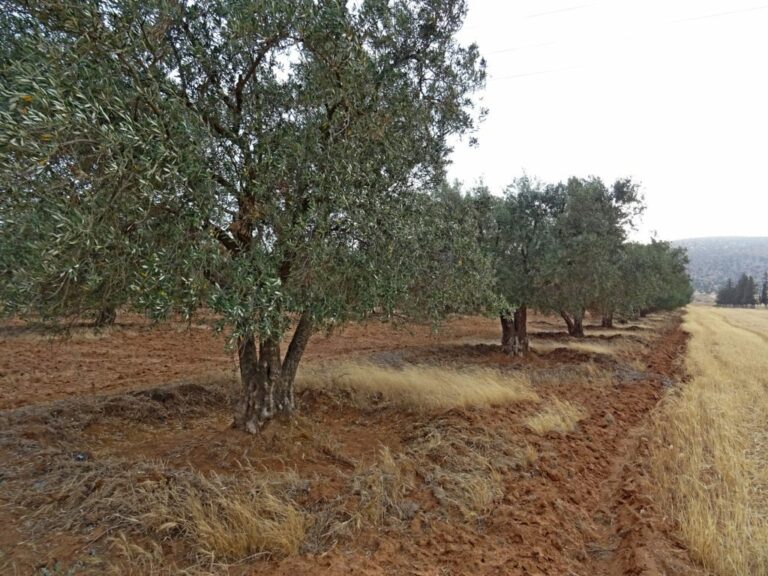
525	222
269	160
672	287
581	271
652	276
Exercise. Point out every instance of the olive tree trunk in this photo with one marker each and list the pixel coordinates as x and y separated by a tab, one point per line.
267	381
514	332
521	330
507	332
105	317
607	321
575	323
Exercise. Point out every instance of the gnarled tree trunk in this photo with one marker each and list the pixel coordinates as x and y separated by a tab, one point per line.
514	331
521	330
578	326
575	323
507	332
267	382
568	320
105	317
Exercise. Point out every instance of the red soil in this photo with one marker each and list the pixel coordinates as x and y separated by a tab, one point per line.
581	509
132	355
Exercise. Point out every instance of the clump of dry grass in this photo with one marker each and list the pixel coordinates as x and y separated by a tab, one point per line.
708	443
476	493
136	559
221	518
420	387
382	488
621	332
557	416
225	519
618	346
465	466
584	374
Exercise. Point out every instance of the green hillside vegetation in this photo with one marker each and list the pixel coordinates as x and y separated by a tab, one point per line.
713	261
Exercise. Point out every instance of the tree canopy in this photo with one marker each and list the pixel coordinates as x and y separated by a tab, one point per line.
589	230
741	293
270	160
563	248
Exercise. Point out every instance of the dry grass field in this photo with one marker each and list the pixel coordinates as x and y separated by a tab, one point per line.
412	453
709	451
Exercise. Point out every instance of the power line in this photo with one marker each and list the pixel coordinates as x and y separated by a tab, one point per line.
681	20
537	73
560	10
523	47
719	14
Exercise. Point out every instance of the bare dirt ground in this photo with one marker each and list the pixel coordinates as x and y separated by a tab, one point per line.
93	426
35	367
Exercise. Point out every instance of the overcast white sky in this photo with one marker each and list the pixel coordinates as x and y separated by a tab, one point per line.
673	93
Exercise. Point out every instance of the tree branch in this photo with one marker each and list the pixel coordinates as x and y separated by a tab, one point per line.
242	80
297	346
232	246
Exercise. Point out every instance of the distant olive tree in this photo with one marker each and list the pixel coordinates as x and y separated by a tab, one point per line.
269	160
653	276
582	269
515	233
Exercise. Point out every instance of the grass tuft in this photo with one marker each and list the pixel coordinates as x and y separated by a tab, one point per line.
382	488
229	521
557	416
465	467
420	387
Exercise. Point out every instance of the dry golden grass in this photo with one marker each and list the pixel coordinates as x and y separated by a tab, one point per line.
752	319
557	416
214	519
709	445
382	488
610	347
465	467
586	374
634	332
420	387
478	493
226	520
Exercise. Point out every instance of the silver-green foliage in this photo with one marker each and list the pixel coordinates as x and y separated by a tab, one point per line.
589	231
261	158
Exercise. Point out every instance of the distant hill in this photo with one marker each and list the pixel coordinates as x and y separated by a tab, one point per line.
714	260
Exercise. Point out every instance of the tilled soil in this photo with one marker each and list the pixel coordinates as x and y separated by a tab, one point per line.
36	367
583	509
571	504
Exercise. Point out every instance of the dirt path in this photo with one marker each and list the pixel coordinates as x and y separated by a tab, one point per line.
637	539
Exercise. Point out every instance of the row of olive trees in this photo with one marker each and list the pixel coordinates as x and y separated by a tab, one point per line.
280	164
563	249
